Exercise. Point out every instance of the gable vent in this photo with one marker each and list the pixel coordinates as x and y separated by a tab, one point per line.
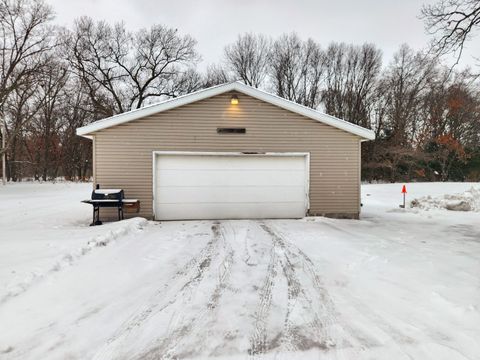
231	130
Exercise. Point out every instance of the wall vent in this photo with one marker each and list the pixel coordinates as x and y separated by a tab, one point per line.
231	130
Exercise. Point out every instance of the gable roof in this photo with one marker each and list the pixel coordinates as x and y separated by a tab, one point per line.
128	116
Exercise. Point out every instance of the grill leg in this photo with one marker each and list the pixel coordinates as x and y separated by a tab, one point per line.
97	220
93	220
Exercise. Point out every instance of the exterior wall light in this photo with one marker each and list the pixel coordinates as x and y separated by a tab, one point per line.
234	100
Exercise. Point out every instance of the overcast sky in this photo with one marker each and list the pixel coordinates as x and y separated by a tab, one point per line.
214	23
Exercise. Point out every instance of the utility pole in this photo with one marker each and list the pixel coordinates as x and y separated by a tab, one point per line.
4	155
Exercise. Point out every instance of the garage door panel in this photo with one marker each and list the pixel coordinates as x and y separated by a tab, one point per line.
230	177
230	162
230	186
227	211
229	194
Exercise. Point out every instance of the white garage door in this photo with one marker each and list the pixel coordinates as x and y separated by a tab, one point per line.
230	186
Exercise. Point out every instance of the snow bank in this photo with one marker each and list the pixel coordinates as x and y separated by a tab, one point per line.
469	200
120	229
126	227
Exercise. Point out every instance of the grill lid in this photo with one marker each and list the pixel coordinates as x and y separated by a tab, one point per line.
107	194
107	191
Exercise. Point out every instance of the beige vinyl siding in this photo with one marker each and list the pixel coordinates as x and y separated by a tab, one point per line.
123	153
94	162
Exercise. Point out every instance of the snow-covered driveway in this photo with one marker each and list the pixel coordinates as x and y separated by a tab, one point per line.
399	285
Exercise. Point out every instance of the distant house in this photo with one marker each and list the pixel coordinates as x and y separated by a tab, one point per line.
230	152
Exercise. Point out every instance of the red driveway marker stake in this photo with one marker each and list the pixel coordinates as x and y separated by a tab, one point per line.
404	192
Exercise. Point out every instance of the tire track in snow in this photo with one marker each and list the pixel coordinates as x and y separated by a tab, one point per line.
344	331
168	347
288	339
322	312
363	339
258	340
322	321
184	281
180	296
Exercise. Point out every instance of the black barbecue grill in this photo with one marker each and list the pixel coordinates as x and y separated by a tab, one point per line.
110	198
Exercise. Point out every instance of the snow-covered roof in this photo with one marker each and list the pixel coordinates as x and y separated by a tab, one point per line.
239	87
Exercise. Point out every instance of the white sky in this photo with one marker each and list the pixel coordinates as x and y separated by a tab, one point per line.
215	23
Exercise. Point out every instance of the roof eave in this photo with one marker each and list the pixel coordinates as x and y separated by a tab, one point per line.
86	136
155	108
310	113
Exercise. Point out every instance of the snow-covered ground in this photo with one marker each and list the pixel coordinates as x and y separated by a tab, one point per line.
398	284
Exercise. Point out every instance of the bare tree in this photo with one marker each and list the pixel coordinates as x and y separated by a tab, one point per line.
77	111
25	41
46	127
186	82
247	58
452	23
350	81
215	75
130	69
20	109
402	85
296	69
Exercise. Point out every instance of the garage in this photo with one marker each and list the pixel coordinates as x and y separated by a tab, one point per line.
230	185
230	151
